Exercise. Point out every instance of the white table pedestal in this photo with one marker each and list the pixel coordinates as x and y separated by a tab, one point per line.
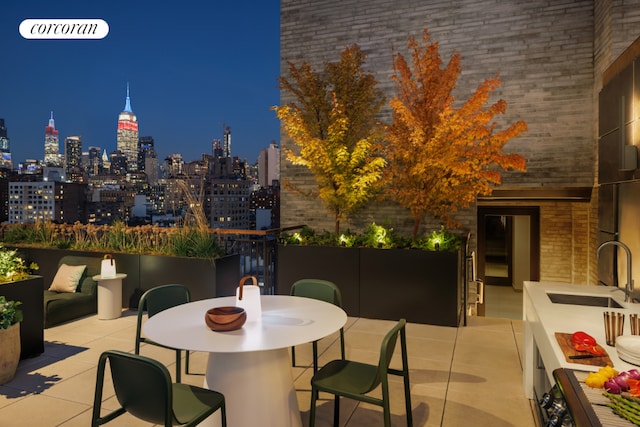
109	296
254	383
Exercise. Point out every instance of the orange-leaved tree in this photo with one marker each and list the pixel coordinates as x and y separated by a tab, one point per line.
440	158
333	123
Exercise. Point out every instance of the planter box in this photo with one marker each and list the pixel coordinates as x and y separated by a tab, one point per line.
420	286
203	277
338	265
29	292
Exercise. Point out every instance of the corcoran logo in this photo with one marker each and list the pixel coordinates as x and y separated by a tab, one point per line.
64	29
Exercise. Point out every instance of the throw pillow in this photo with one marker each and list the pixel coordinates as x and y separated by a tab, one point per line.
67	278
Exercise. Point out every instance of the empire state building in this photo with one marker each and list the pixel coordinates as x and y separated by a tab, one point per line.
128	135
51	145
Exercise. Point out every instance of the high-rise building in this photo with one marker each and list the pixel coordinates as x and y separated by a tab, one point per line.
228	203
94	161
145	145
127	140
34	201
216	148
174	165
269	165
226	147
73	158
51	144
151	166
5	152
118	163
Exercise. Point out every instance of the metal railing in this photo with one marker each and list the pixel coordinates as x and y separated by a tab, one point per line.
257	250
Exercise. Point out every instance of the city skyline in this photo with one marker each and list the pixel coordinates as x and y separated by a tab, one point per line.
191	71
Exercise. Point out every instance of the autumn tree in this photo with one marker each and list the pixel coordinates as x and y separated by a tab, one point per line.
332	122
442	157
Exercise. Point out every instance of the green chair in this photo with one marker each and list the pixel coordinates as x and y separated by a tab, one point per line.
354	380
322	290
154	301
144	389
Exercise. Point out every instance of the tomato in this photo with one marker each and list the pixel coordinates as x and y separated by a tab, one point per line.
582	338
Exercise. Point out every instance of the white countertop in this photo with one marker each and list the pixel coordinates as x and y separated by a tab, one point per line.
544	318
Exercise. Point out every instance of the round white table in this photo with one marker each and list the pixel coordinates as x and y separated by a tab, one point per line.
250	366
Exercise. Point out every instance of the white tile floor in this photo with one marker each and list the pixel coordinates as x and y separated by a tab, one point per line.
468	376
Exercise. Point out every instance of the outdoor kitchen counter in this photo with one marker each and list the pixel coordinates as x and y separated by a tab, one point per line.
542	319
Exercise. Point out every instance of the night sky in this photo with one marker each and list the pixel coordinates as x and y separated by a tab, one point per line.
192	66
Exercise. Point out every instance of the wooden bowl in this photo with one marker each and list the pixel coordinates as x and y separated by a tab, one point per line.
227	318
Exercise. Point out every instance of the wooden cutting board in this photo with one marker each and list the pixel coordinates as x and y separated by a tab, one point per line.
564	340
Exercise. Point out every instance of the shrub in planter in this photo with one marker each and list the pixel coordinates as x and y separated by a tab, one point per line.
381	275
13	267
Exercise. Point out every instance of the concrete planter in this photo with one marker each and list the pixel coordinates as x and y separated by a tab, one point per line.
420	286
10	354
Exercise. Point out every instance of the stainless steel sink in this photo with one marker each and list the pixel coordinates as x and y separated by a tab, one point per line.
590	300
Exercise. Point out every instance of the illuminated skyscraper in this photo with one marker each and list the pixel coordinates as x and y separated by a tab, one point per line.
73	158
51	145
127	142
226	147
5	153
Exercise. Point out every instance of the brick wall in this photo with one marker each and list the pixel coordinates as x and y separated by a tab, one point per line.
542	50
550	56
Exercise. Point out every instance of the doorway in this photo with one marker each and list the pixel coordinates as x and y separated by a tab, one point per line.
508	254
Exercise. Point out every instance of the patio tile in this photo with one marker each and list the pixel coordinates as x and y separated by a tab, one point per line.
455	374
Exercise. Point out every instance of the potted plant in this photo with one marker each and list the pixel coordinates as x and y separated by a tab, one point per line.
10	318
12	267
17	283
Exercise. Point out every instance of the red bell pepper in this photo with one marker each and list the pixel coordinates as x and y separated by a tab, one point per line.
582	338
585	342
592	349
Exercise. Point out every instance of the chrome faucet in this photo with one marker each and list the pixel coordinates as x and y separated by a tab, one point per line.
629	286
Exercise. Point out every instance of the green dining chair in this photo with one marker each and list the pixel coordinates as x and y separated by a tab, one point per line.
355	380
154	301
144	389
322	290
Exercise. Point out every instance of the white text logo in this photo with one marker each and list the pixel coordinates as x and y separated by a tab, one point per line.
64	29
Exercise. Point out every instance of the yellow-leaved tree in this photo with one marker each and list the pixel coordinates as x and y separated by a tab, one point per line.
440	158
332	121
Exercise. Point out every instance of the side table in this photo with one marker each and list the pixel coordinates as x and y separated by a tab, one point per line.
109	296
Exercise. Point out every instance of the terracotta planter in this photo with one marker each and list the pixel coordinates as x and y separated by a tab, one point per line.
10	354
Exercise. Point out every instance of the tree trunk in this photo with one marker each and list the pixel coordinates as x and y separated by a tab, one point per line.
416	227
